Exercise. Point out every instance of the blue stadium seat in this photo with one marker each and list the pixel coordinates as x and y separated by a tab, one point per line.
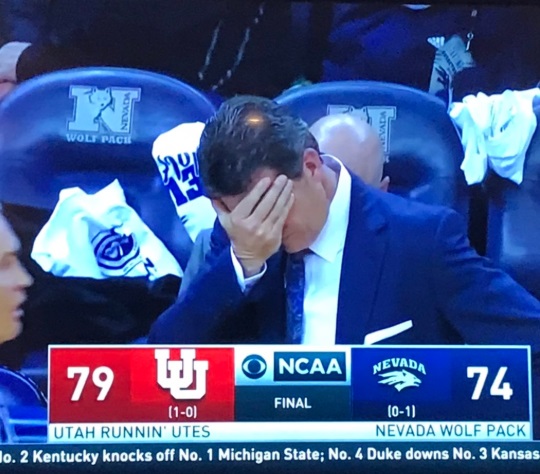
24	424
23	409
87	126
513	238
423	149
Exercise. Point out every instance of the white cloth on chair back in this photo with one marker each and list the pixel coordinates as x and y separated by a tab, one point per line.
496	133
99	236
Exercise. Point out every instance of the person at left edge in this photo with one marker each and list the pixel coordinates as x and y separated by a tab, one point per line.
379	266
14	280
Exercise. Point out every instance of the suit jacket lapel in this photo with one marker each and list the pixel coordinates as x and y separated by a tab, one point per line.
363	258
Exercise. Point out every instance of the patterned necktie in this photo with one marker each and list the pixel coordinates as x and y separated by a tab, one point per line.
295	282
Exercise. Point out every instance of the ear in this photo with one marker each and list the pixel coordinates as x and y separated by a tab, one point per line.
385	182
312	160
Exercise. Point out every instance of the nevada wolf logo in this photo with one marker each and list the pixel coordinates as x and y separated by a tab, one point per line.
396	372
400	379
102	115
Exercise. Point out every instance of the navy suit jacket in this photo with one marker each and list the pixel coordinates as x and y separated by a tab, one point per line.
403	261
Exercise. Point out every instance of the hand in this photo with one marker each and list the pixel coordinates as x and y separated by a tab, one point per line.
6	88
255	226
9	56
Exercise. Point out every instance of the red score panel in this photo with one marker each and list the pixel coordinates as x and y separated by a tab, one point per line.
133	384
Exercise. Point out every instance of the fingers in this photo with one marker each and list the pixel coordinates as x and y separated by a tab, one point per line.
280	204
221	211
280	222
6	88
271	199
245	207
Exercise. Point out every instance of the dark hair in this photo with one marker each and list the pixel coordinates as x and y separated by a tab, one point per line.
248	133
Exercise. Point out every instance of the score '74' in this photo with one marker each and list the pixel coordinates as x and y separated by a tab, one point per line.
103	383
497	387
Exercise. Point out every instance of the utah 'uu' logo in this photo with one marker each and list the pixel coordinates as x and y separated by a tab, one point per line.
393	372
102	115
178	376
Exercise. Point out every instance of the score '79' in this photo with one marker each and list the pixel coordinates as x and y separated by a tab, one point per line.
102	378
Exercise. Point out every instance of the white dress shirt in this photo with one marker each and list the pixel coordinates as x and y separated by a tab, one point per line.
322	266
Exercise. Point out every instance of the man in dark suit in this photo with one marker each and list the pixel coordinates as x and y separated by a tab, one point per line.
346	136
379	268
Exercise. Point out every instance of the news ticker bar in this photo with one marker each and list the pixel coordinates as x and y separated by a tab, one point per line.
173	384
309	457
286	432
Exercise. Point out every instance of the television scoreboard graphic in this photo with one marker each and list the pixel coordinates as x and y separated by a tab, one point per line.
288	393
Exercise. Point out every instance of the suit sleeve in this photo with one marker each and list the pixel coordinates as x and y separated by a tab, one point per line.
483	303
211	303
29	22
24	21
41	59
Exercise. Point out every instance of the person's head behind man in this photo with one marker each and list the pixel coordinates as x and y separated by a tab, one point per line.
250	138
356	143
14	279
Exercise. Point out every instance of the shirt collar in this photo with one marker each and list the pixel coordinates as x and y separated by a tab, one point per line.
331	239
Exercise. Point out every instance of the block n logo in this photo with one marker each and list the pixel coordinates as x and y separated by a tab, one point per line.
103	111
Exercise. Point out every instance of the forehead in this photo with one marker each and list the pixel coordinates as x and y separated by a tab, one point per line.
9	242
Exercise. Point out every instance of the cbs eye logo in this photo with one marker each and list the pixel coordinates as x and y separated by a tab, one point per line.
254	366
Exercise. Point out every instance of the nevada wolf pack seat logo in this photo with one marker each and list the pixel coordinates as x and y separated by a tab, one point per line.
380	117
102	115
393	372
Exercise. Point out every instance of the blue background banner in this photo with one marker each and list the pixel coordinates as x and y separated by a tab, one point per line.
435	382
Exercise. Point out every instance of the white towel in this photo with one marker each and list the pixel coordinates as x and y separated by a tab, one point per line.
99	236
496	133
175	154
